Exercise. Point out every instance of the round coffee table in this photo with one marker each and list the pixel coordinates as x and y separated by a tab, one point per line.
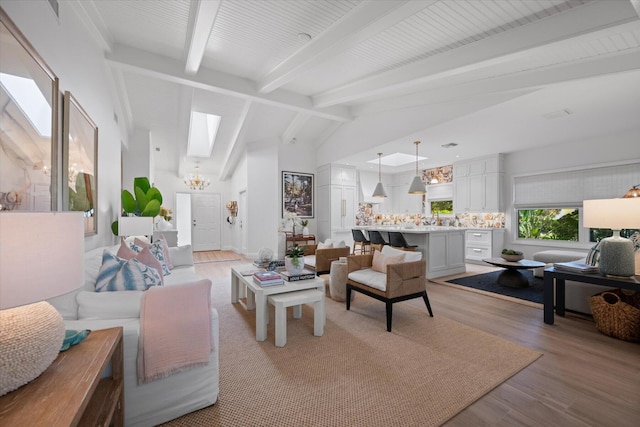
511	276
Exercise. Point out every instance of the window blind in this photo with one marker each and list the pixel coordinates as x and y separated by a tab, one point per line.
570	188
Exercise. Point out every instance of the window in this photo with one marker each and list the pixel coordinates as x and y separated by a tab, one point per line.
442	207
549	224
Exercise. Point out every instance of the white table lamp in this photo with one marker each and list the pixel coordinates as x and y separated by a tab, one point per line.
135	226
41	256
616	253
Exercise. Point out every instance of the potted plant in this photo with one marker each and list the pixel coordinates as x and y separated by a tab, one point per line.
146	202
294	261
305	230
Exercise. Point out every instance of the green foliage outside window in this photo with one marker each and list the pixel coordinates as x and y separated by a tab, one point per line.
442	207
549	224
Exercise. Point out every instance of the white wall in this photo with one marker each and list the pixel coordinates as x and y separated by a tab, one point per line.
263	210
137	159
66	48
600	150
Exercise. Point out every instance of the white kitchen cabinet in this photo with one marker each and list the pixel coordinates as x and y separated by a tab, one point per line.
445	253
478	185
337	202
483	243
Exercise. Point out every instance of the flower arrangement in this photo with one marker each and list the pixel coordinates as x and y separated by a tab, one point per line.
293	218
166	213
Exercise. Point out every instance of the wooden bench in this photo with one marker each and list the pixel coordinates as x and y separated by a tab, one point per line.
295	299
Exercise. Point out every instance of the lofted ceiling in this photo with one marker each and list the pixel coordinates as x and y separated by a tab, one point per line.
375	75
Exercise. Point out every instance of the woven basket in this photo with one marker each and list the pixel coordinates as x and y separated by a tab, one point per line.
617	313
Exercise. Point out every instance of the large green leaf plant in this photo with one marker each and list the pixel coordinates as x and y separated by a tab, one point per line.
146	201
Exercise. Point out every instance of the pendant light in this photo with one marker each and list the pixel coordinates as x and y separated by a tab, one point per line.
417	186
379	191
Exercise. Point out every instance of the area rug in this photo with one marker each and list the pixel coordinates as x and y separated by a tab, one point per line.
357	374
486	283
214	256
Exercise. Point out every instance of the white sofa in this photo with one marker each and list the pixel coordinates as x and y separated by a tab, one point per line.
157	401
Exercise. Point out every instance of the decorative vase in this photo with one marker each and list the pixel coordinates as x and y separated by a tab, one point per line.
305	231
294	266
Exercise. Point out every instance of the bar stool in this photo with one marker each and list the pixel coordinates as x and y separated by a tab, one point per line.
377	241
397	240
360	241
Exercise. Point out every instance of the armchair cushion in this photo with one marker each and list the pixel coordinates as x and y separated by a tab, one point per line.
322	245
370	277
409	256
380	261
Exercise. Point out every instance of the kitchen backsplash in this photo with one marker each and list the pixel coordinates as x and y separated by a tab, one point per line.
366	216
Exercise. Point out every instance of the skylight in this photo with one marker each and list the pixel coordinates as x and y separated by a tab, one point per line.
397	159
202	134
25	94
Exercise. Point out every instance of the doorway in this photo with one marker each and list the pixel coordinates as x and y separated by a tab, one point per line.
198	219
206	215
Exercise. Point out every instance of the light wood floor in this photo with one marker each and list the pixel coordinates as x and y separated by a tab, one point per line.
584	378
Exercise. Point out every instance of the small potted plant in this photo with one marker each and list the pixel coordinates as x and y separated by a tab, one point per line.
511	255
294	261
305	230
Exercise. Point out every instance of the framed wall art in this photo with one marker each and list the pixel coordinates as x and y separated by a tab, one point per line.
29	117
80	163
297	194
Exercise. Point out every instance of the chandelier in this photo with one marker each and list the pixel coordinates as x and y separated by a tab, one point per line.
195	182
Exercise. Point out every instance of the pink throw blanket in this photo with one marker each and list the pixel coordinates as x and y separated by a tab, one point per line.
175	329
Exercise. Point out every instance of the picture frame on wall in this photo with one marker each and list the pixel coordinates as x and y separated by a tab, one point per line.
297	194
30	124
80	163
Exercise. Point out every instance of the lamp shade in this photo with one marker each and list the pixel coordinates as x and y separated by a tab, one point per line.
417	186
615	214
135	226
379	191
41	255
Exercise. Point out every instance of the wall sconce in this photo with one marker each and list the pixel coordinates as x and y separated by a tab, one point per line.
232	206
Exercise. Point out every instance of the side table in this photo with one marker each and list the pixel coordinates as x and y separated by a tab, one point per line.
338	281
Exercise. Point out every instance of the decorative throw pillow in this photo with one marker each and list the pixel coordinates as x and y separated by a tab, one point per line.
381	261
181	255
125	251
117	274
158	251
146	257
322	245
593	257
165	248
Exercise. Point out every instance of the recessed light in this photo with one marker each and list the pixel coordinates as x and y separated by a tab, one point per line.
304	37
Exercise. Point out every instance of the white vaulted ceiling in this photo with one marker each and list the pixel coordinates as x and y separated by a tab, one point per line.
375	76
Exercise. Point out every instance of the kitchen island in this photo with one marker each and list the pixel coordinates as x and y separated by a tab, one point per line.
442	248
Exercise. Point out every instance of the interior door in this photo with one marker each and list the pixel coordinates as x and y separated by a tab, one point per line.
206	214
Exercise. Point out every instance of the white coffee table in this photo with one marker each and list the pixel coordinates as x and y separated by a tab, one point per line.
257	295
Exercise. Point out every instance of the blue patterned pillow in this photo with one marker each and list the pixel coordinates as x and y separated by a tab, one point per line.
117	274
157	250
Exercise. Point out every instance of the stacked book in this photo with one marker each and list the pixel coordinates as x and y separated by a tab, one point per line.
304	275
575	267
267	278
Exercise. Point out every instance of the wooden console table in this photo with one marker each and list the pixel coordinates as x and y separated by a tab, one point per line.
300	238
71	391
551	274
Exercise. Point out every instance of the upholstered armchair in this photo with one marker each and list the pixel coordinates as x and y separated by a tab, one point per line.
401	280
319	260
